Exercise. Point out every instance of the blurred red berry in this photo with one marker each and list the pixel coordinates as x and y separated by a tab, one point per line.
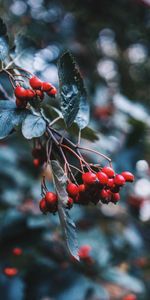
128	176
69	203
17	251
105	194
40	94
130	297
36	162
50	198
20	92
84	252
30	94
72	189
110	182
108	171
81	188
52	92
115	197
35	83
21	103
119	180
42	206
46	86
102	177
9	271
89	178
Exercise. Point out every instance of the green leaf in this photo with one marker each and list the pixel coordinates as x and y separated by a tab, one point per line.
33	126
10	116
87	133
68	226
82	118
4	48
72	92
51	112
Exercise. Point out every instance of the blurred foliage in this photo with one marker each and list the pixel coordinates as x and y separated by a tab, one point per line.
110	40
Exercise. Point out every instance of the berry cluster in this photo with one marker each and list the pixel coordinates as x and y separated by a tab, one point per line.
37	90
103	186
49	203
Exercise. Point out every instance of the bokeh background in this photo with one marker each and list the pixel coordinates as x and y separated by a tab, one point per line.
111	43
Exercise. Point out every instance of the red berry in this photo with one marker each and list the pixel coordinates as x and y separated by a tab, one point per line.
21	103
51	198
89	178
40	94
110	182
69	203
115	197
30	94
102	177
10	271
81	188
52	92
43	207
36	162
84	251
105	194
119	180
20	92
46	86
17	251
35	83
130	297
128	176
108	171
72	189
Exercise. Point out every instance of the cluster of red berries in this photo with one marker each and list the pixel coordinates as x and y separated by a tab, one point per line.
102	186
49	203
37	92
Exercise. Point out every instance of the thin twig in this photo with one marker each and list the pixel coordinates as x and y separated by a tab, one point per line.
96	152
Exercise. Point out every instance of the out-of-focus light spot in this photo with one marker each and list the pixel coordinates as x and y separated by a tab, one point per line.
39	63
50	53
106	43
18	8
137	53
145	211
146	1
107	69
34	3
136	111
142	166
50	74
142	188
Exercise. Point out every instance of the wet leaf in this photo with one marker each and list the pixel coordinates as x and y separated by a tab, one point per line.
68	226
33	126
10	116
72	92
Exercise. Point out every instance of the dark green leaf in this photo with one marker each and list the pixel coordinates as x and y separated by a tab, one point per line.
72	91
87	133
51	112
68	226
4	48
82	118
33	126
10	116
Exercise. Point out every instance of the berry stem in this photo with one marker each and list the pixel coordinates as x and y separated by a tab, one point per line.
96	152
